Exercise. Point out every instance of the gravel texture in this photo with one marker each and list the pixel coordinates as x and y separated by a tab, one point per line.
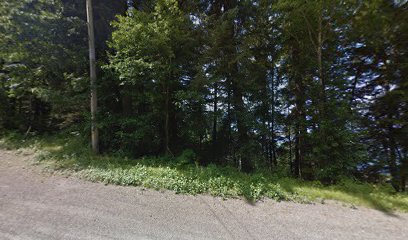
37	205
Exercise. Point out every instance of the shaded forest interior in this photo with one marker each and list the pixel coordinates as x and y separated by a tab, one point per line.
316	89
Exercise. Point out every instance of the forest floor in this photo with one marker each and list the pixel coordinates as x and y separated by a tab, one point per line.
36	204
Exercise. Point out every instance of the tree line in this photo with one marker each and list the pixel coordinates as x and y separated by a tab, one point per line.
313	89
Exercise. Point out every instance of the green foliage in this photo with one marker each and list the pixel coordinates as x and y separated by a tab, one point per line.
40	53
279	87
151	54
187	157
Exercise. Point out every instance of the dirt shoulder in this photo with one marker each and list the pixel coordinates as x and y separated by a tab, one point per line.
34	205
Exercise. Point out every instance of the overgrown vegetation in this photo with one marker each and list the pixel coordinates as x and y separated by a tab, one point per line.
234	98
69	154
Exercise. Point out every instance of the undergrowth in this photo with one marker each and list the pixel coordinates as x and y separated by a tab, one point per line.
180	174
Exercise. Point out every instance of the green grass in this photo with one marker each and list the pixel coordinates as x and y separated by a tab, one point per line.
69	154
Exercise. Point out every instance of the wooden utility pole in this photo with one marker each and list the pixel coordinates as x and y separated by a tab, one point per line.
92	73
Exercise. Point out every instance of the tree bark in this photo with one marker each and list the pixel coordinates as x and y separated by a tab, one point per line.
241	125
320	58
300	116
166	123
403	170
290	151
214	130
92	68
392	162
273	113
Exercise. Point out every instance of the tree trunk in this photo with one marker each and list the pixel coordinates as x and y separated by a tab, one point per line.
241	125
298	151
403	170
92	68
353	87
392	160
237	95
214	131
290	151
273	100
320	59
230	148
166	123
300	115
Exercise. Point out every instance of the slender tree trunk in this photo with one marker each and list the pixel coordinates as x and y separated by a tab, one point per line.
166	123
237	100
126	102
268	101
229	120
319	50
214	131
320	60
273	100
92	68
31	116
290	150
242	127
300	116
354	86
298	152
239	110
392	161
403	170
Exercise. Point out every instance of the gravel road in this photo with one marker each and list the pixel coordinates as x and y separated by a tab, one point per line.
35	205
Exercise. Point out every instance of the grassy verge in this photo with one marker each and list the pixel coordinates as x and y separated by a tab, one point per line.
68	153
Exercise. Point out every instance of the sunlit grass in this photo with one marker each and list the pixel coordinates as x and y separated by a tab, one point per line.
70	154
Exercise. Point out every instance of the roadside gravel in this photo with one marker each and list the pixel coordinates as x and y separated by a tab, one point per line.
38	205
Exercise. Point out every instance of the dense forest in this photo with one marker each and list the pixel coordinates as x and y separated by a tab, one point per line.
315	89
